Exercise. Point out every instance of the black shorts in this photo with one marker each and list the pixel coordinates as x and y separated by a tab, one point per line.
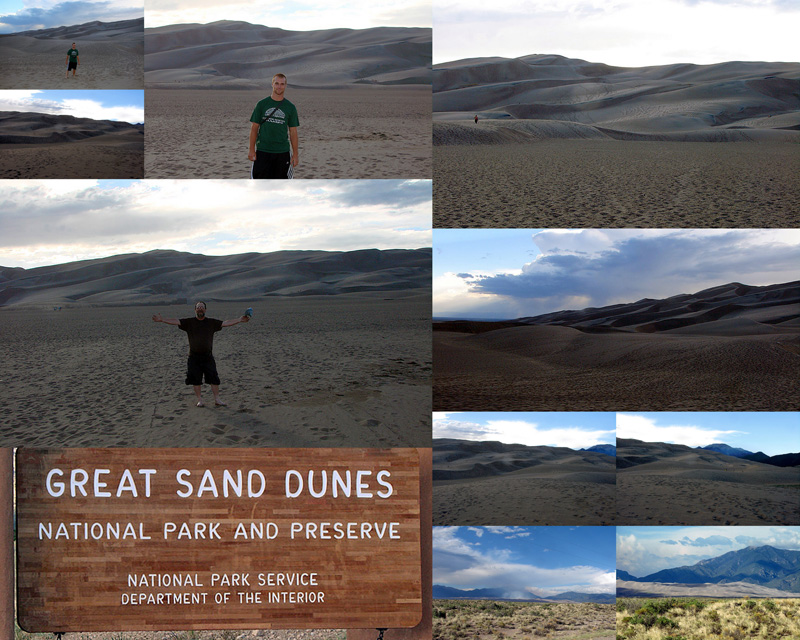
200	366
73	64
271	165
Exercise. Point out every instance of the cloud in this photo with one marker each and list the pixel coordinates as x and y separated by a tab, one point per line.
385	193
710	541
467	566
77	107
66	14
520	432
645	429
53	221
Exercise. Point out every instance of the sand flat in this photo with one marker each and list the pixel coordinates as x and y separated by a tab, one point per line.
348	370
352	132
606	183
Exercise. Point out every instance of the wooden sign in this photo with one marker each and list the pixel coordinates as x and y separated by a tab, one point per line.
170	539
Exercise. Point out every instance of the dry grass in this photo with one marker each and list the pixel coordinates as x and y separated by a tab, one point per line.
485	619
700	619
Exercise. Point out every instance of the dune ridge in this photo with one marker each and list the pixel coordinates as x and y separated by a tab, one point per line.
731	101
169	277
232	54
477	482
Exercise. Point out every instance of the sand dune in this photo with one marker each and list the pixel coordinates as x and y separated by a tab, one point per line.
668	484
492	483
170	277
575	144
628	357
229	54
40	145
672	102
111	56
627	589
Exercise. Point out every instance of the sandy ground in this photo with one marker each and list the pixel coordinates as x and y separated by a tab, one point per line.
630	589
645	499
617	183
355	132
527	497
343	371
41	64
108	156
541	368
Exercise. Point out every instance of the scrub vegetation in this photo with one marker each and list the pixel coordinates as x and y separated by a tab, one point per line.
707	619
487	619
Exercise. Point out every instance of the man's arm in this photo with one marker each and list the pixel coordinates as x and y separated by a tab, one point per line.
295	150
157	318
251	152
230	323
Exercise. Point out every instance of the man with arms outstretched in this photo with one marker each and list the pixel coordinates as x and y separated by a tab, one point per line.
269	147
200	331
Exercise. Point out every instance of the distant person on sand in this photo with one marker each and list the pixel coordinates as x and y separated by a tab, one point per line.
271	119
200	331
476	118
72	60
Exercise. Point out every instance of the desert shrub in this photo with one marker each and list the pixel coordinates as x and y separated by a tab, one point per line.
770	605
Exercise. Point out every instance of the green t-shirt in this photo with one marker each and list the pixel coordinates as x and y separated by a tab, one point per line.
273	132
73	55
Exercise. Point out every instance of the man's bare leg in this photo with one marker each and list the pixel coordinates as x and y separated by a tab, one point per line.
198	391
217	400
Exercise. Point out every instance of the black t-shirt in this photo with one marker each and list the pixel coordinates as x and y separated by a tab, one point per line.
201	334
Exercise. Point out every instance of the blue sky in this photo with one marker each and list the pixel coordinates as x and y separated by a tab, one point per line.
772	433
574	430
119	105
504	274
645	550
27	15
624	32
56	221
296	16
525	560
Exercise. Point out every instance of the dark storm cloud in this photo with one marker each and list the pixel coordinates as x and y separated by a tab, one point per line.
397	194
65	14
654	266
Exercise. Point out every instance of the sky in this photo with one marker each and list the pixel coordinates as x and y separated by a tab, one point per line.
26	15
294	16
525	561
573	430
119	105
630	33
45	222
771	433
645	550
513	273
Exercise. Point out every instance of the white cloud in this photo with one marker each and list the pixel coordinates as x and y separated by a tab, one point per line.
79	108
520	432
646	429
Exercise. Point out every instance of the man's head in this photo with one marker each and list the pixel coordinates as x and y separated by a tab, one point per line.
278	84
200	310
73	45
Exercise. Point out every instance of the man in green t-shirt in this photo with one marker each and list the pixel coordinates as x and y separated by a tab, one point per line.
72	60
269	142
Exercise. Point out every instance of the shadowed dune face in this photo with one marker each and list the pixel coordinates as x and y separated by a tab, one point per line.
492	483
668	484
39	145
111	56
735	342
721	102
168	277
229	54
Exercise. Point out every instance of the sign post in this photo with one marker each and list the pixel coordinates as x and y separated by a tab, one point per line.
165	539
6	545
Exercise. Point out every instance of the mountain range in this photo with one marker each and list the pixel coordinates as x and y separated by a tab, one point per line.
780	460
765	566
442	592
121	30
173	277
